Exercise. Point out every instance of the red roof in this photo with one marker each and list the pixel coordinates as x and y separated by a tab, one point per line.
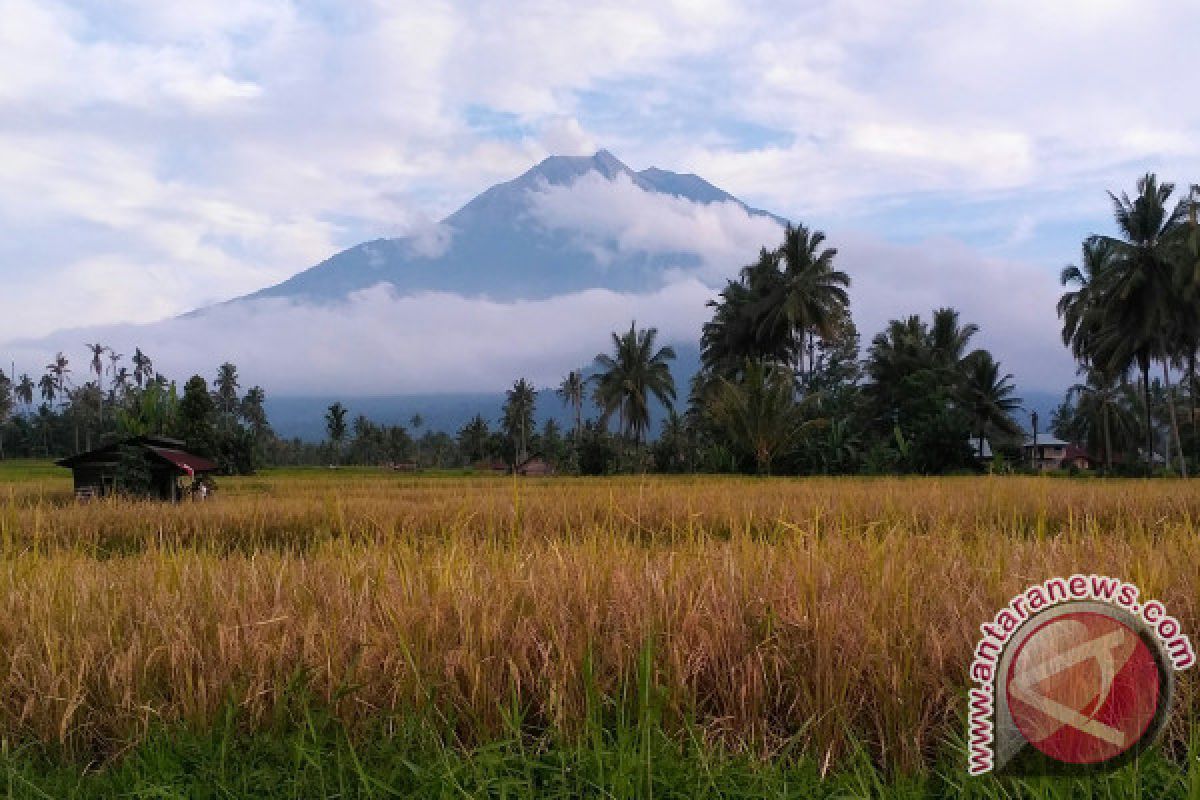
185	461
1075	451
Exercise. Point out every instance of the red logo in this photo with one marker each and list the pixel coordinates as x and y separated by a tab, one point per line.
1084	687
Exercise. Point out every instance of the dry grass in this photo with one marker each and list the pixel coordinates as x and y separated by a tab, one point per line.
810	612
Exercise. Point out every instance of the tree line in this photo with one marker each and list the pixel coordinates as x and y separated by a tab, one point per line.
782	389
57	415
1131	304
784	386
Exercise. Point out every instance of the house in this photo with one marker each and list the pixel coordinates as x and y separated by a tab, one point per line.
494	465
1054	453
535	466
98	473
981	448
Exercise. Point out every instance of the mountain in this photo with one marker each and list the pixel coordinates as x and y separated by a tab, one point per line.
498	246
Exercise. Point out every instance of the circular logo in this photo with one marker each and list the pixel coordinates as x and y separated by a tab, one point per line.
1084	688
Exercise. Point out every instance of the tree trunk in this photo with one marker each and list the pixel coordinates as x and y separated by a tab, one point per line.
1145	367
1107	440
1174	420
1192	393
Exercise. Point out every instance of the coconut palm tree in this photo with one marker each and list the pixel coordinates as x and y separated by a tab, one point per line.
472	438
1078	307
759	413
948	340
634	373
1105	406
97	350
1140	289
811	294
48	387
143	368
519	405
335	426
59	368
24	391
226	386
114	367
570	391
732	335
988	397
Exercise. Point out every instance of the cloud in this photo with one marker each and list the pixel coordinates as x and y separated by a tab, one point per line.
380	343
159	156
618	218
1012	301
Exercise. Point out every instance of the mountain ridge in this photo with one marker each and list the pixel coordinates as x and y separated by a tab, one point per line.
496	248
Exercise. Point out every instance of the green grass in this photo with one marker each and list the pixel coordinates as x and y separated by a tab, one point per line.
20	470
312	757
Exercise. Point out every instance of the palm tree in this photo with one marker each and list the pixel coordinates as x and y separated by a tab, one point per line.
1140	288
812	294
987	396
335	426
570	391
1078	308
114	362
472	438
59	369
635	372
948	340
143	368
518	416
24	391
732	335
896	353
759	413
48	387
253	409
1102	401
98	350
227	387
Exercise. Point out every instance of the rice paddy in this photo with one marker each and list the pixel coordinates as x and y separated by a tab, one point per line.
828	622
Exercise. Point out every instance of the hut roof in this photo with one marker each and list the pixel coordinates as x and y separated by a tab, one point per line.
161	447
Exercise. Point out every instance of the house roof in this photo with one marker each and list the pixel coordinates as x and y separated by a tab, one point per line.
162	447
1046	440
187	462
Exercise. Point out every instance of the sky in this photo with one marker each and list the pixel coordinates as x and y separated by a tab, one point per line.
158	157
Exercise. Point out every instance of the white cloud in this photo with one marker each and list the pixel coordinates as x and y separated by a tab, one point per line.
618	217
1013	302
381	343
156	156
378	342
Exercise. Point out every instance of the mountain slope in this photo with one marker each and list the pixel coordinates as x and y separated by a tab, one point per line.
499	247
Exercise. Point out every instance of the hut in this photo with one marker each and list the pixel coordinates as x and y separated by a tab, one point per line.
159	461
535	466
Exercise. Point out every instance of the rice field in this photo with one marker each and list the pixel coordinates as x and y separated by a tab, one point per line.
830	620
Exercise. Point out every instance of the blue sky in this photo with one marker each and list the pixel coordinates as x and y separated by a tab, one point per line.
160	156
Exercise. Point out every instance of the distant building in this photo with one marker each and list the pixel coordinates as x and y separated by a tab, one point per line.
97	473
535	466
980	448
1054	453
